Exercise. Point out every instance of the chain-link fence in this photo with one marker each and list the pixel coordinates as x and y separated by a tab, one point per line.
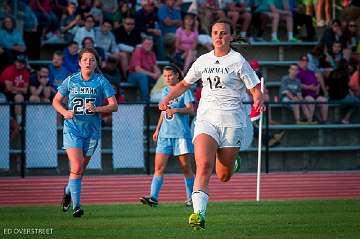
33	146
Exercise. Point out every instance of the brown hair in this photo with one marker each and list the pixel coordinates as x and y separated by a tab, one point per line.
225	21
89	50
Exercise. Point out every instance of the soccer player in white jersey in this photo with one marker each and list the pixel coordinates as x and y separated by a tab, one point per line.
173	137
86	91
221	118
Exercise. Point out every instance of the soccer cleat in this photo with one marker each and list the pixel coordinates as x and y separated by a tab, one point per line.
149	201
237	164
66	202
78	212
197	222
188	203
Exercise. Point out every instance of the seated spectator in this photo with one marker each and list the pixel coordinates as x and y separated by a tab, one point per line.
354	96
49	23
352	40
351	12
11	40
186	40
127	37
310	90
169	20
300	18
70	22
86	31
331	35
290	91
146	21
40	88
105	40
97	13
16	81
276	11
109	8
30	24
71	57
204	38
330	60
123	10
111	71
57	71
84	8
88	42
207	11
238	10
143	69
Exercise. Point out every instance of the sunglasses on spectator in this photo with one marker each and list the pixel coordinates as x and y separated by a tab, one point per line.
352	25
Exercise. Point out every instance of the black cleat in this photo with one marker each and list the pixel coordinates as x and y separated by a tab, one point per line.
78	212
66	202
149	201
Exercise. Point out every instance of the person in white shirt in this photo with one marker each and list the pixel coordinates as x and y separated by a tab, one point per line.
221	116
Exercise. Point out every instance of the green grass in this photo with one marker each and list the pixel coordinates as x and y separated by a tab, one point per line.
270	219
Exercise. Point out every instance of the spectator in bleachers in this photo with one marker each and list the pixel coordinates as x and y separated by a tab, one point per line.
105	39
16	80
352	40
111	71
186	40
146	21
48	21
109	8
311	90
169	20
352	13
40	89
276	11
238	10
354	95
71	57
332	34
86	31
11	39
338	81
300	19
88	42
70	22
123	10
31	35
290	91
57	71
207	11
97	12
127	37
143	69
323	6
204	38
84	8
330	60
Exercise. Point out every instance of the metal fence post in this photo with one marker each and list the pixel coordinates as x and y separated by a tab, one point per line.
23	143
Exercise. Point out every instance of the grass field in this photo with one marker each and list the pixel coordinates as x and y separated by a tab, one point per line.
270	219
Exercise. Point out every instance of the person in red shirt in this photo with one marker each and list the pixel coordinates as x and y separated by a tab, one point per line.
16	80
143	69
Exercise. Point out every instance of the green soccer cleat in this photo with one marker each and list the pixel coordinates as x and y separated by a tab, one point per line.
237	164
197	222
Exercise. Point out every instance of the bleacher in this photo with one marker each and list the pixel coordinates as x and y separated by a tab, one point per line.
331	146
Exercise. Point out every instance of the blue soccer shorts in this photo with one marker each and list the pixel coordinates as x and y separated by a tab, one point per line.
174	146
88	145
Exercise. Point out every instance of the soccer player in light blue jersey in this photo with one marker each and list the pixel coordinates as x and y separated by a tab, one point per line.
85	91
173	137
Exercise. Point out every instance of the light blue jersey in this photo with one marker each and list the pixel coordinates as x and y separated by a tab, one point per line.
178	125
85	124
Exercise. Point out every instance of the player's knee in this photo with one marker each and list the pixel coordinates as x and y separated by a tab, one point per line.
76	172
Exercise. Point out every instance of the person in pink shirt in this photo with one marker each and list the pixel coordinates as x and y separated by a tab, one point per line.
186	39
143	69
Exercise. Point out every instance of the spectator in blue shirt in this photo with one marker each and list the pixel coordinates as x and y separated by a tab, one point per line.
169	17
57	72
71	57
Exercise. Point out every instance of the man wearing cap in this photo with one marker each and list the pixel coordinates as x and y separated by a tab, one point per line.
16	80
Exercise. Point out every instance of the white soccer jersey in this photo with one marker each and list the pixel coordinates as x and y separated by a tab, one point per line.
224	81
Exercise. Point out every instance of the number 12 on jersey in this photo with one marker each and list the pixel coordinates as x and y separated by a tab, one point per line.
215	83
